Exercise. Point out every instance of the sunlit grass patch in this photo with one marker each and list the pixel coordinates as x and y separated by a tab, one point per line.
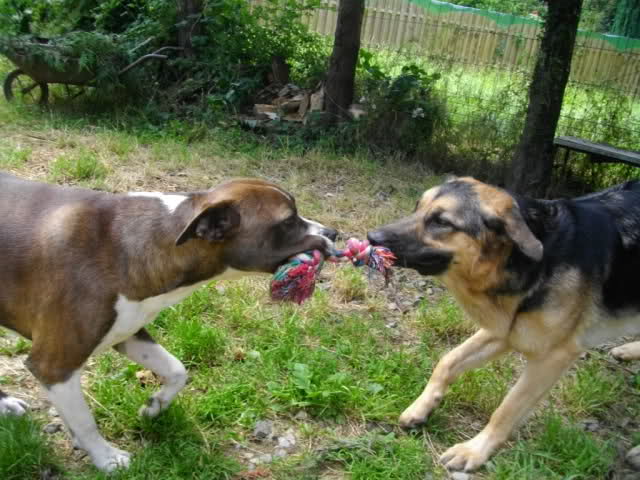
14	157
378	456
558	451
81	166
24	451
591	389
443	320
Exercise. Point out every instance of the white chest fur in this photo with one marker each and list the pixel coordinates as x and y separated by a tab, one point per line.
131	315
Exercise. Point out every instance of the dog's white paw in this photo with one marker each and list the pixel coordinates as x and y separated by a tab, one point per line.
418	412
112	459
12	406
468	456
153	408
626	352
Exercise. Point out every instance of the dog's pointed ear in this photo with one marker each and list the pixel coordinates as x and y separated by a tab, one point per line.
450	177
518	231
213	223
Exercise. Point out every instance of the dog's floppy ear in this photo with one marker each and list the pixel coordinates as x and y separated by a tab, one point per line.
518	231
214	223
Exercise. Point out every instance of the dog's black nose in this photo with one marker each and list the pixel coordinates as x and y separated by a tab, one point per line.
330	233
376	237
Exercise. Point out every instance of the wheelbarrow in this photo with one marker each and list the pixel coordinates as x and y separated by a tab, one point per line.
30	81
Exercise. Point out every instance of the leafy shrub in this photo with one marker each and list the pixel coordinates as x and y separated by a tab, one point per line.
234	43
403	111
92	55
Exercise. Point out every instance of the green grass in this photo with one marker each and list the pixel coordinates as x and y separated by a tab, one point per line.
333	370
592	390
560	451
24	452
13	157
78	166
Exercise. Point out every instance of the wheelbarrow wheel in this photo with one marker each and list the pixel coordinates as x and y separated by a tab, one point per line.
20	86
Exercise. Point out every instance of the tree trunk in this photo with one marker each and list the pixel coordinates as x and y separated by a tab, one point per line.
342	66
532	165
189	13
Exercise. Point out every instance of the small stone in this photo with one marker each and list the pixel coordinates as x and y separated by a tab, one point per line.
247	455
53	412
49	474
263	429
280	453
392	306
53	427
633	457
590	425
624	422
254	355
429	291
301	416
288	440
460	476
392	324
265	458
329	195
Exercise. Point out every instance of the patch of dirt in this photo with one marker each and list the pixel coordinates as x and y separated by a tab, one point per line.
17	381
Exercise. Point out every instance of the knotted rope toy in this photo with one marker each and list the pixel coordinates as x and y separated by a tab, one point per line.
295	280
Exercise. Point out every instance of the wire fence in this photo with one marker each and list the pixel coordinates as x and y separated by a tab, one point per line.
471	36
486	60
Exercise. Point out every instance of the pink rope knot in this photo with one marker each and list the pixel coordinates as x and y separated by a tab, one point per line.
295	280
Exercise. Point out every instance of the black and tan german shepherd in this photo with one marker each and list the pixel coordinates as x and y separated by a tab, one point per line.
546	278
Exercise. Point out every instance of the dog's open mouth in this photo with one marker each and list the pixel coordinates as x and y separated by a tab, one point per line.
308	245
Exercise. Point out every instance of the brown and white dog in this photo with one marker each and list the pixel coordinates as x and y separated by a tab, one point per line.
546	278
83	271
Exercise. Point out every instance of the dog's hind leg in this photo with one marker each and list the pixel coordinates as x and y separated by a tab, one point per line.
11	405
474	352
628	351
537	378
142	349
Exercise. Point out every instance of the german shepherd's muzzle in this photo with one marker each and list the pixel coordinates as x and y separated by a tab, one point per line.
548	279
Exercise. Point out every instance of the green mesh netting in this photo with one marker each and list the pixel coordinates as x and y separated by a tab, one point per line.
504	20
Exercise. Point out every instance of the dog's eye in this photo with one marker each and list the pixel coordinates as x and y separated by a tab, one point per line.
438	221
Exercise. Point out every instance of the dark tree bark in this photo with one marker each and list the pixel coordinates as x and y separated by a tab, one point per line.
532	165
189	13
342	66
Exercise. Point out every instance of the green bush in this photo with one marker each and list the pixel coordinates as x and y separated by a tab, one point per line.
403	111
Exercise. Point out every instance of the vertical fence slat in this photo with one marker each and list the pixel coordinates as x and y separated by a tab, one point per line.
468	37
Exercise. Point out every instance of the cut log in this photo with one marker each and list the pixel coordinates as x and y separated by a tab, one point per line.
317	101
262	110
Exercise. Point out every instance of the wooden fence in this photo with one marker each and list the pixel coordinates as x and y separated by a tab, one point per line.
468	36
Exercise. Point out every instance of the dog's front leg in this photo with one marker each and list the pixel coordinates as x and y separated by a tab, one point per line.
537	378
142	349
475	351
68	399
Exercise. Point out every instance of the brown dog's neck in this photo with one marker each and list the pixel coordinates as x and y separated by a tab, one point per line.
149	262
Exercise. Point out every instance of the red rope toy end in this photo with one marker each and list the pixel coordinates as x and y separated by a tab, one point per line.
295	280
